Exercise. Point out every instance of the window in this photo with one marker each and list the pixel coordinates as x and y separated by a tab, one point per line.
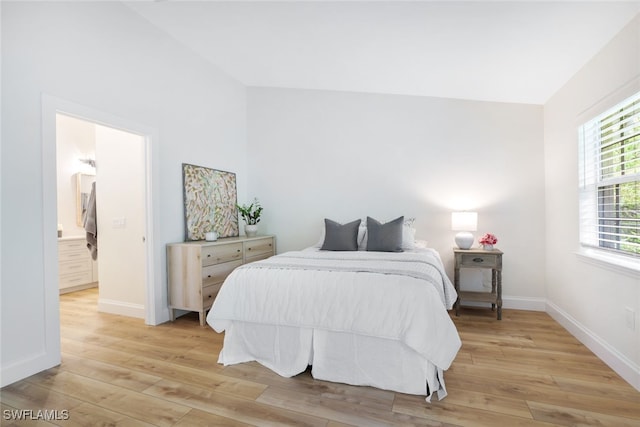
609	167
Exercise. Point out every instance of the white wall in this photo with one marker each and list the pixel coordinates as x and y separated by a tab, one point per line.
588	298
103	56
317	154
121	215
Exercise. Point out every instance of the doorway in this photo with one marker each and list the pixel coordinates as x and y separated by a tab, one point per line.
154	310
114	160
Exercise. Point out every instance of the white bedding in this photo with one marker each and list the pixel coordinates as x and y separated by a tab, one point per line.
372	298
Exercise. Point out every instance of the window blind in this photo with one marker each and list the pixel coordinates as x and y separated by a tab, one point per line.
609	181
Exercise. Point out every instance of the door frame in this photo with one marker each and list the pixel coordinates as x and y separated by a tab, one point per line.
50	107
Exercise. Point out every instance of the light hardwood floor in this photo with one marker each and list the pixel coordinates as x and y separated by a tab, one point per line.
523	370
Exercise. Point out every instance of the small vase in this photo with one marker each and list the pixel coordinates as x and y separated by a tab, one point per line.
487	247
250	229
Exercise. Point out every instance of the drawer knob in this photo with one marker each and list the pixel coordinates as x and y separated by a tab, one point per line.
208	255
478	260
249	249
209	277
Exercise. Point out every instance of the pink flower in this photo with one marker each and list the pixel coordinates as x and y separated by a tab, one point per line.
488	239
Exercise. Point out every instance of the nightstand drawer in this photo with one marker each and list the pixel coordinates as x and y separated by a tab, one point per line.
479	260
223	253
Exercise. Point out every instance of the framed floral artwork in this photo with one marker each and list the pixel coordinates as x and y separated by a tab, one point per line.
210	199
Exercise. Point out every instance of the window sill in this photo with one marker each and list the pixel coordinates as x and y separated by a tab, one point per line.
617	263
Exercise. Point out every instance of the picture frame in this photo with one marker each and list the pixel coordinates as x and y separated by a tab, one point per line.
210	202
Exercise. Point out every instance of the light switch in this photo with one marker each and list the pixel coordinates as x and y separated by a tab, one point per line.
120	222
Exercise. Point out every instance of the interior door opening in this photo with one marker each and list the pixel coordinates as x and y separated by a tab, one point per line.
106	166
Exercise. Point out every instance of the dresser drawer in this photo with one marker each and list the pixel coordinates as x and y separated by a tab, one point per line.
218	272
77	266
258	258
75	245
75	256
479	260
259	249
209	294
223	253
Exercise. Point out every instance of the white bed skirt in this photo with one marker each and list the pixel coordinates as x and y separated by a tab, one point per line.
335	356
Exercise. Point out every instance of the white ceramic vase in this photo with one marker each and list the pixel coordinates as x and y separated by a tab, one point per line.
251	229
487	247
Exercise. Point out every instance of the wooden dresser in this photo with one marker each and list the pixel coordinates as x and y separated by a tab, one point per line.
197	269
76	269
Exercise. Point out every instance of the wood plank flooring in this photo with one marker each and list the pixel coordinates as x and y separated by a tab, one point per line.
525	370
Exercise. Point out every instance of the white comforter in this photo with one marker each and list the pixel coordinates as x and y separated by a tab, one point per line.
398	296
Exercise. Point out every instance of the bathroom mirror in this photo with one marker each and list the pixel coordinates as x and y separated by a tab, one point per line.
83	190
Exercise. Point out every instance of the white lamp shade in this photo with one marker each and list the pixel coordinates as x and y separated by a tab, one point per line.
464	221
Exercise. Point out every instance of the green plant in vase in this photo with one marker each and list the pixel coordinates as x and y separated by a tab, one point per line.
251	216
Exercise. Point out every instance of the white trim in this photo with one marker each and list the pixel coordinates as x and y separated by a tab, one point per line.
617	263
154	310
619	94
514	303
597	173
25	368
50	355
624	367
121	308
524	303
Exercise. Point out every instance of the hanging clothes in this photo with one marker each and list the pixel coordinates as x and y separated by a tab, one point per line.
91	224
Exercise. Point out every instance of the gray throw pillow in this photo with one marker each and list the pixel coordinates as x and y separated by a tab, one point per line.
384	237
340	237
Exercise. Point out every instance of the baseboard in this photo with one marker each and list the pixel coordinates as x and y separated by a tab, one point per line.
25	368
624	367
514	303
524	303
120	307
78	288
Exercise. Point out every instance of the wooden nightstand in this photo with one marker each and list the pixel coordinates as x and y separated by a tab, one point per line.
479	258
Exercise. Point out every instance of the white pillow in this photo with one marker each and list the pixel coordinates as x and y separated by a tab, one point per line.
422	244
408	237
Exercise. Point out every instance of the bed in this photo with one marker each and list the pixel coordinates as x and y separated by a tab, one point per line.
356	317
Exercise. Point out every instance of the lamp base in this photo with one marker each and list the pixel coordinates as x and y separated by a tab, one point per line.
464	240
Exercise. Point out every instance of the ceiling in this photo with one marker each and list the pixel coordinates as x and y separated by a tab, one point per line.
511	51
